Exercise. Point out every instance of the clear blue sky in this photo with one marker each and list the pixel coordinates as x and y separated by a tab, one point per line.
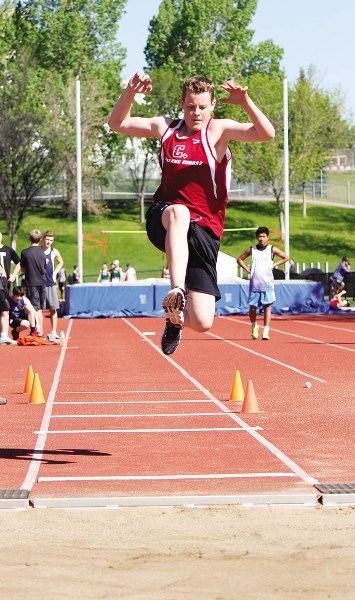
311	32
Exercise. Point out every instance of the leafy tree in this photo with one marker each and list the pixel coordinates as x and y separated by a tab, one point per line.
31	148
63	39
209	37
315	127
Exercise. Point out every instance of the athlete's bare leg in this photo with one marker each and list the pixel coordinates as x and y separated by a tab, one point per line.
267	315
176	221
200	309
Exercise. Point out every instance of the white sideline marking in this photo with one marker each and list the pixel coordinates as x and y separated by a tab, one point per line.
142	416
135	392
266	357
308	339
164	477
183	430
325	326
136	402
273	449
303	337
35	464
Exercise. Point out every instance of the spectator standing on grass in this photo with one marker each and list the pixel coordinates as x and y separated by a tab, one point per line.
54	263
33	263
186	219
75	278
7	256
62	282
261	286
117	273
104	275
22	314
130	273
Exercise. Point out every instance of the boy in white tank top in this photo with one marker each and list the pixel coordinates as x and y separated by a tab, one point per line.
261	287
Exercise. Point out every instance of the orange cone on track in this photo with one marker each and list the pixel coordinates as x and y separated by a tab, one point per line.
37	396
250	404
29	380
237	393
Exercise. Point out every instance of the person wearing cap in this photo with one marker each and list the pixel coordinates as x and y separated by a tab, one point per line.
337	279
117	274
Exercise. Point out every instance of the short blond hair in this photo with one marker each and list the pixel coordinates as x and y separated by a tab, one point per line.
35	236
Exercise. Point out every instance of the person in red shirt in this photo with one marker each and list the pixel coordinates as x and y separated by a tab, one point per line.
186	219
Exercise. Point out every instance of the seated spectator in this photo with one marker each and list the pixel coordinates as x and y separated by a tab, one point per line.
130	273
21	313
338	301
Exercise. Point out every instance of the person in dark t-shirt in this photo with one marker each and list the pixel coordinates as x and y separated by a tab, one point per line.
33	263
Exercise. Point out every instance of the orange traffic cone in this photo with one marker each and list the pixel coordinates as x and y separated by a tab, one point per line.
29	380
250	404
37	396
237	393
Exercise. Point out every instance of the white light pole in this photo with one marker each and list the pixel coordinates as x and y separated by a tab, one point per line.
78	178
286	178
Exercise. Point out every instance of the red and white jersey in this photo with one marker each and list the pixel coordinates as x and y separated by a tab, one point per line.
192	175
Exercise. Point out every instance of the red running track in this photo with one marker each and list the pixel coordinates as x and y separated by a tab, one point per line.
124	424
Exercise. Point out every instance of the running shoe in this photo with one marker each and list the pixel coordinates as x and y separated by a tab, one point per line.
15	335
7	341
174	304
255	331
266	336
171	337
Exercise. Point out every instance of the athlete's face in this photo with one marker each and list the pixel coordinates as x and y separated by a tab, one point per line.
48	241
197	109
262	239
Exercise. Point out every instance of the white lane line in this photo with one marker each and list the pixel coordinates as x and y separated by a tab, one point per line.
164	477
167	430
302	337
182	391
35	464
319	342
136	402
143	416
294	467
351	331
266	357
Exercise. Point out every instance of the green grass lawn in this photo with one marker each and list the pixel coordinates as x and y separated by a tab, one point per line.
326	234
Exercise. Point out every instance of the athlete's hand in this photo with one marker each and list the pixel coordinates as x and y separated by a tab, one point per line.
237	93
140	83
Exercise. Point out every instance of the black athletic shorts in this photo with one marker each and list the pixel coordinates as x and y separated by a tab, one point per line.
37	296
17	322
201	272
4	305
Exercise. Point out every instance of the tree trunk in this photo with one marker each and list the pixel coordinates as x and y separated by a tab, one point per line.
304	197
